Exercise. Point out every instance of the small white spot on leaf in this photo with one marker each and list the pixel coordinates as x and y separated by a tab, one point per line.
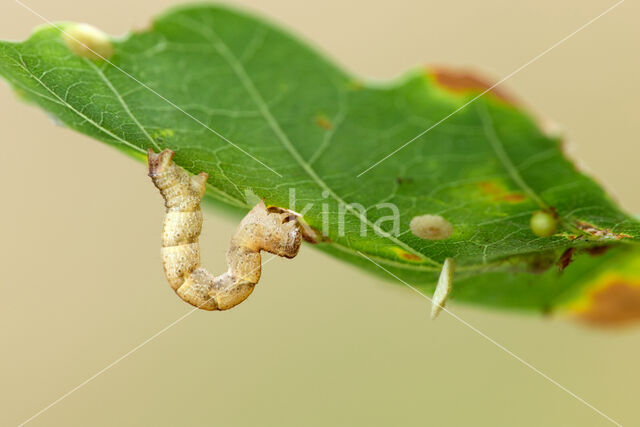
443	289
88	41
431	227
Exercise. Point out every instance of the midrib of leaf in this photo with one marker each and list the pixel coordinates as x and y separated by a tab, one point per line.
262	106
471	268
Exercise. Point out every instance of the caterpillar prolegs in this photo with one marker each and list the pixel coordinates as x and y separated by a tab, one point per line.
273	230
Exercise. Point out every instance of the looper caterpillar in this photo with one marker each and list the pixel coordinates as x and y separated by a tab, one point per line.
273	230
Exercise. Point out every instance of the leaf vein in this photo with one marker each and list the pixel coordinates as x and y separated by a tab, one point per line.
255	95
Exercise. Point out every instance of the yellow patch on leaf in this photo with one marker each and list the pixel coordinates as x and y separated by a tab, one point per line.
323	121
406	255
498	193
163	133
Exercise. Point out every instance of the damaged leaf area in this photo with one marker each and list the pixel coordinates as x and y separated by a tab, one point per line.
611	297
263	114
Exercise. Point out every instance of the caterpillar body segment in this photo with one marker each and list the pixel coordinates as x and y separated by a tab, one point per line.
271	229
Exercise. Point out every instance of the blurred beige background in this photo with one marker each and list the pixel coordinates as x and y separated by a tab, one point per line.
319	343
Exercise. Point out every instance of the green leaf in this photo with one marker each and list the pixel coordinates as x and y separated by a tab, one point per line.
263	114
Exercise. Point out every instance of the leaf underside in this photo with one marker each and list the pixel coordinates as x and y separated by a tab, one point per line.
205	76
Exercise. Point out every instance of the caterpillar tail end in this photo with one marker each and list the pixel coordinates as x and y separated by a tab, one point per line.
159	162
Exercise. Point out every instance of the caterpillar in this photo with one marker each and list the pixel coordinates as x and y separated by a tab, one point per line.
272	229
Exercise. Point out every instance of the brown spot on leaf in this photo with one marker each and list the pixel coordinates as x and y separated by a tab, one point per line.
540	263
565	259
598	250
616	303
499	193
513	198
600	233
462	81
323	121
402	180
406	255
